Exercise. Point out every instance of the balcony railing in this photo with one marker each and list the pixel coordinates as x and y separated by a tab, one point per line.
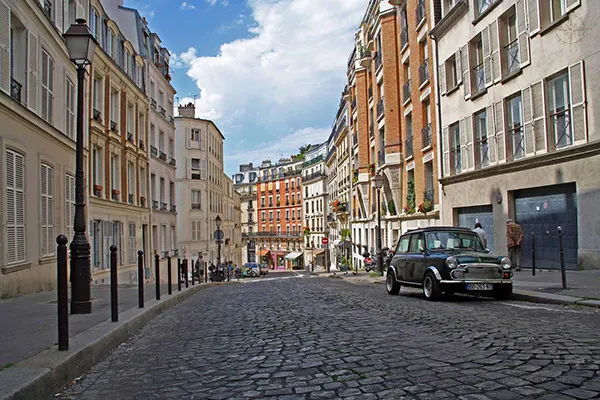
155	204
15	90
406	91
370	92
142	145
408	147
420	11
513	61
130	198
479	75
163	206
380	108
130	138
424	72
315	175
275	234
381	157
153	151
456	161
173	208
195	206
378	60
171	120
518	141
162	111
313	161
426	135
162	155
483	151
560	123
172	161
48	10
113	126
404	37
153	103
429	194
115	195
96	115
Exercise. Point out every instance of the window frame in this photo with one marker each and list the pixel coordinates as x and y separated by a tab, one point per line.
47	238
47	86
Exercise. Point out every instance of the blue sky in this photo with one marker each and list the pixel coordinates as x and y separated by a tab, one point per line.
268	72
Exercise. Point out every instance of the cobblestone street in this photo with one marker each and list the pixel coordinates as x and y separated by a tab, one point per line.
324	338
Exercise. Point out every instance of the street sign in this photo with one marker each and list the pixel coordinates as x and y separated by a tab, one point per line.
218	235
324	240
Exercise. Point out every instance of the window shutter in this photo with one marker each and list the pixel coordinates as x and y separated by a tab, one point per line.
69	205
487	56
458	71
464	163
466	70
47	210
11	207
32	78
188	138
529	141
442	78
539	118
58	14
4	47
203	169
495	48
534	16
499	120
491	134
572	4
121	228
469	155
188	168
91	235
578	117
203	134
522	34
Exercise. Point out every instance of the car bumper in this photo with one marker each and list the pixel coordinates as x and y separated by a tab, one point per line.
466	281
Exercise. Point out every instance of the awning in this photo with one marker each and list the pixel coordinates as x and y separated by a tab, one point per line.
263	253
292	256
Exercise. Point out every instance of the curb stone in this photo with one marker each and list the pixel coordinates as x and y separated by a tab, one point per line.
42	375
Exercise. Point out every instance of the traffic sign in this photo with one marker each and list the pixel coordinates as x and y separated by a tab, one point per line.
218	235
324	240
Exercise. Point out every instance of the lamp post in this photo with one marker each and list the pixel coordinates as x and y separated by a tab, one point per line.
81	45
378	184
218	239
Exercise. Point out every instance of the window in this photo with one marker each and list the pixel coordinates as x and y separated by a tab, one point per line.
47	209
171	193
114	109
171	148
47	86
115	177
97	161
409	136
195	164
131	182
69	108
152	92
130	120
448	5
514	119
552	11
452	73
455	148
97	97
196	199
557	93
69	205
161	141
161	194
109	43
477	59
483	5
143	177
15	207
417	243
429	182
132	244
161	100
511	60
195	135
482	149
163	241
152	135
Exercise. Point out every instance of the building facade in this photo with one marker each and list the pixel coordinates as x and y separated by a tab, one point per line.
279	213
37	141
314	186
231	249
244	183
518	122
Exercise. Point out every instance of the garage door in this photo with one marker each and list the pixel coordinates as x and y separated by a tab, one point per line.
541	211
468	216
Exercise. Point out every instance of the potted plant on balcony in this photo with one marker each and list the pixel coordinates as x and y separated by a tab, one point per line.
98	190
372	169
168	77
355	176
142	201
410	198
306	231
425	206
335	205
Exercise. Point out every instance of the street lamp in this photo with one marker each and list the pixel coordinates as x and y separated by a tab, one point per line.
218	239
378	184
81	45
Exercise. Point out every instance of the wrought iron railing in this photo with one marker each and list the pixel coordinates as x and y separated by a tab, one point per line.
408	147
517	140
153	151
163	206
380	108
378	60
513	62
15	90
153	103
155	204
483	151
173	208
404	37
479	75
426	135
142	145
195	206
424	72
48	10
172	161
420	11
130	138
162	111
113	126
406	91
561	123
130	198
96	115
429	194
162	155
456	160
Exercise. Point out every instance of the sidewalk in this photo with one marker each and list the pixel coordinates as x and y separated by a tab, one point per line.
583	287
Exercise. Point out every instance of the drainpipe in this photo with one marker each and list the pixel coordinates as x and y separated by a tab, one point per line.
440	153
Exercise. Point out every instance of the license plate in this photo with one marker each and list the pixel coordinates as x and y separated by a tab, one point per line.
479	286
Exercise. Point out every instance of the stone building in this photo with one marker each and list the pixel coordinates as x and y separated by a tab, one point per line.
314	186
244	183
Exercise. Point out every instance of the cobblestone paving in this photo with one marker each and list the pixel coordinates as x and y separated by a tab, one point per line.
322	338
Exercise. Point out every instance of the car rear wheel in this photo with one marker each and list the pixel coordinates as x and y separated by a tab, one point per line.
503	291
391	284
431	287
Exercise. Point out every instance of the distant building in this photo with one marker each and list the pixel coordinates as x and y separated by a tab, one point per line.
244	182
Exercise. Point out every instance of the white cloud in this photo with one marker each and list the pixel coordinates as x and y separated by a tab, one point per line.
187	6
224	3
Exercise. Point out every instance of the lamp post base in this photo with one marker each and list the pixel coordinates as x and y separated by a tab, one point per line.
81	307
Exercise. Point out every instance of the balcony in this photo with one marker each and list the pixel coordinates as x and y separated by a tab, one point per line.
420	12
313	176
404	38
162	111
97	115
162	155
155	204
142	145
275	234
195	206
163	206
113	126
15	90
153	103
313	161
426	135
173	208
172	161
171	120
98	190
406	92
408	147
424	72
380	109
142	201
130	198
130	138
115	194
153	151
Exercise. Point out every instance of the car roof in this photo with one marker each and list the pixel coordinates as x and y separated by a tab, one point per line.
437	229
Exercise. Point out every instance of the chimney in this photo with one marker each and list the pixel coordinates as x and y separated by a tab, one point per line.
188	111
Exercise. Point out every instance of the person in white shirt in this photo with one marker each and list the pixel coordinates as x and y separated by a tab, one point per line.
481	233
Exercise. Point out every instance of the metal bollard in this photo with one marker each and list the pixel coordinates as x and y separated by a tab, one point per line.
169	278
140	279
114	296
63	295
563	272
193	273
185	269
532	254
157	275
178	274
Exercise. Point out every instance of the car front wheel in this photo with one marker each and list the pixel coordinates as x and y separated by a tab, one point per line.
503	291
391	284
431	287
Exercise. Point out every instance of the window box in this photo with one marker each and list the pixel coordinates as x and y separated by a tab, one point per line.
142	201
115	194
113	126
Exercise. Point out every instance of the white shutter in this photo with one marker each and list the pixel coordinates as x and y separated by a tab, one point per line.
58	14
487	56
499	121
469	155
529	141
572	4
81	9
15	207
495	49
203	135
442	78
203	169
464	163
458	66
32	77
70	205
522	34
534	16
539	118
578	117
491	134
47	210
188	139
466	70
5	47
188	168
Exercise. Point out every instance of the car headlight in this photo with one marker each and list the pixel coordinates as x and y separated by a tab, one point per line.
506	263
452	262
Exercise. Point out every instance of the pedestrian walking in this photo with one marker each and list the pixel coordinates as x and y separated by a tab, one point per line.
514	238
479	230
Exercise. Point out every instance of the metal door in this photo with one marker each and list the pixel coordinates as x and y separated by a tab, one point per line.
541	211
468	216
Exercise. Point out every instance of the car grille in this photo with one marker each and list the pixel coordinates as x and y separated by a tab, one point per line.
477	271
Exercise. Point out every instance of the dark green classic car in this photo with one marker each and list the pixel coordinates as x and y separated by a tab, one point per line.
448	260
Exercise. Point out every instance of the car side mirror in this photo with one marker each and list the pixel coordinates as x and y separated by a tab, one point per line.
487	250
422	249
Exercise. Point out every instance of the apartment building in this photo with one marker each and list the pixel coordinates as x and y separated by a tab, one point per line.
314	185
244	183
37	110
199	184
339	182
231	248
279	238
518	122
118	209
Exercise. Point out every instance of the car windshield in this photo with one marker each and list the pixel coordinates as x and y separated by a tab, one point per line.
453	240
